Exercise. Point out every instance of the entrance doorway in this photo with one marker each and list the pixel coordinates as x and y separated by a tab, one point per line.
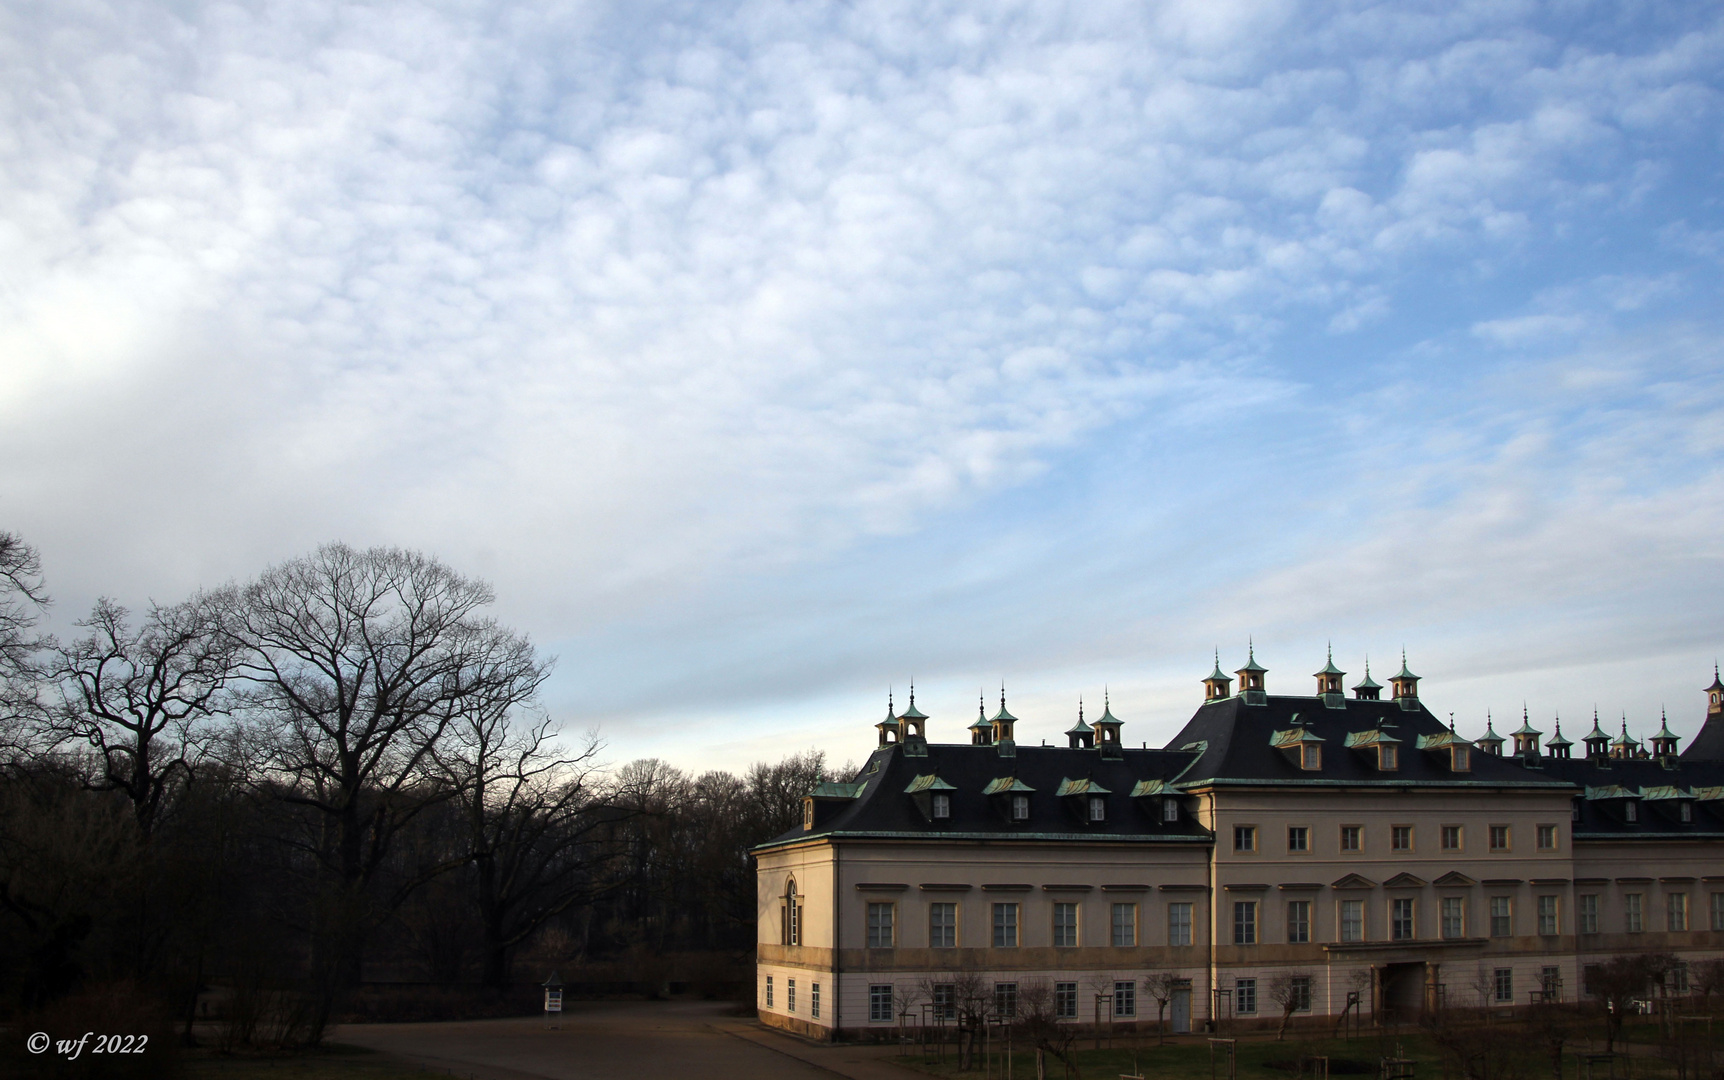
1182	1012
1402	991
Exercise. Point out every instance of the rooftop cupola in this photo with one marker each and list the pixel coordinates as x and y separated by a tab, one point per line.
1526	737
1490	742
1558	747
1664	743
1329	683
1003	722
1367	689
1597	742
1080	734
1715	694
1251	678
913	718
1622	746
1107	729
1219	685
981	732
1406	686
891	730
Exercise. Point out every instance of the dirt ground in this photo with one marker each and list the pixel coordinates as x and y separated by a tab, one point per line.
622	1040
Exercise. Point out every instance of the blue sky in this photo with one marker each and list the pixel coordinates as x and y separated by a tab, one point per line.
768	355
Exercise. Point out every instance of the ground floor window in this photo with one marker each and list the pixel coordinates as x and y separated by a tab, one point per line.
1065	1001
1125	999
1502	985
790	994
814	1001
1678	979
945	1001
880	1003
1245	996
1299	993
1006	999
1550	981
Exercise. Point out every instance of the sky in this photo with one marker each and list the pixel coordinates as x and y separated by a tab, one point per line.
769	355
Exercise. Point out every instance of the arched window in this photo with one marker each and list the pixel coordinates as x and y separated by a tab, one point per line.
790	915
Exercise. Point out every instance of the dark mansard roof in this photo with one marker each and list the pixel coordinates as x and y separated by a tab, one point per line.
1230	743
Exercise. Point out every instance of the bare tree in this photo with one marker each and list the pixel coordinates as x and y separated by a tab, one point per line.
22	599
359	662
1708	977
142	698
1291	992
1617	982
531	813
1038	1019
1162	986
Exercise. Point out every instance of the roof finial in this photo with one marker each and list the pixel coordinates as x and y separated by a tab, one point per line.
1250	649
1451	723
1002	693
1080	708
912	691
981	704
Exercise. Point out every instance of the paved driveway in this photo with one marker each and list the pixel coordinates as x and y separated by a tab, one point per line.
623	1040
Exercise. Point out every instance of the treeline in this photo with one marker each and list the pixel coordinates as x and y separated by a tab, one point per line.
338	768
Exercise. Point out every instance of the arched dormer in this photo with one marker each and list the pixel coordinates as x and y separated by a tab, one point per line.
1251	684
1526	737
981	732
1664	743
1597	742
1003	721
890	729
1219	685
1558	747
1406	686
1080	735
1367	689
1329	683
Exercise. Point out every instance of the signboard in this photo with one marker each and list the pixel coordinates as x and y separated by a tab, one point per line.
553	1000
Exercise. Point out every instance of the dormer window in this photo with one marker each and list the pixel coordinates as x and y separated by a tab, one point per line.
941	806
1310	757
1170	810
1097	808
1462	760
1388	757
1020	807
1630	812
1685	811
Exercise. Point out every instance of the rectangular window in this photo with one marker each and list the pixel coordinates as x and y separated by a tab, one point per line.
1005	926
1006	999
1550	982
790	994
1588	913
1352	920
1179	924
1298	838
1097	808
942	806
1454	917
1245	922
1463	759
879	925
1549	922
1401	920
1630	811
945	1001
1244	838
1310	756
814	1001
1677	980
1065	926
1547	837
769	991
1170	810
1451	838
1718	911
1631	913
880	1003
1388	757
1676	911
1589	976
1401	837
1685	812
1502	917
1350	838
1020	808
1499	837
1124	926
1065	1001
943	926
1125	999
1300	993
1502	981
1245	996
1298	921
792	914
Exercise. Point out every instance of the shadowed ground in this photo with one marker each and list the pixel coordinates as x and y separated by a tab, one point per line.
623	1040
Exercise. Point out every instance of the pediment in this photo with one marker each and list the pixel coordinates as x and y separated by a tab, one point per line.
1404	881
1455	878
1354	881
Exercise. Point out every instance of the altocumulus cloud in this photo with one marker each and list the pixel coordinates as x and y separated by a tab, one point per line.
631	307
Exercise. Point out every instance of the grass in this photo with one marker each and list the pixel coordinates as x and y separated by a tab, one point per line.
330	1062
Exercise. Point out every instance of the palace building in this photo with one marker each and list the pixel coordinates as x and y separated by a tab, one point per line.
1300	848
